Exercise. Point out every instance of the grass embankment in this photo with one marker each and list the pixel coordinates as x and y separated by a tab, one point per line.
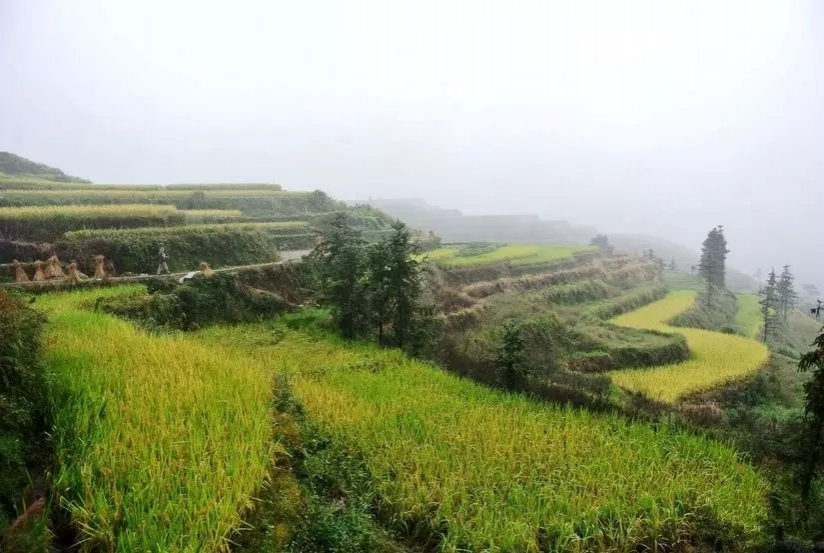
716	358
476	469
516	254
748	316
159	442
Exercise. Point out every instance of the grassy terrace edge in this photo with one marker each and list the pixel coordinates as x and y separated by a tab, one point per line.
715	359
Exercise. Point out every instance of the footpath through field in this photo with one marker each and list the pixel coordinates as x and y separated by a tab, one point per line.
715	358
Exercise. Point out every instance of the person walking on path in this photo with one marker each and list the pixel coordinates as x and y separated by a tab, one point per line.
161	261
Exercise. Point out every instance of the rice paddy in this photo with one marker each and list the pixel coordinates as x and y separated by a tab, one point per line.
86	211
160	443
716	358
515	254
275	226
481	470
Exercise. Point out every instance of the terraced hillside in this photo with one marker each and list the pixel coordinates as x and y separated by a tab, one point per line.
222	224
715	358
451	464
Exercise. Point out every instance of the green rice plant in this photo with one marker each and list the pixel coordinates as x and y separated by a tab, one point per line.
474	469
279	227
438	254
715	359
212	215
515	254
36	223
160	443
748	316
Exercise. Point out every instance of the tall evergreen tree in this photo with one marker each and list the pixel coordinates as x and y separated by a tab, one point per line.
510	357
813	362
786	292
404	280
339	262
712	265
769	304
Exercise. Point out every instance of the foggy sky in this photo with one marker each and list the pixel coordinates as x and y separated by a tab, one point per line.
652	116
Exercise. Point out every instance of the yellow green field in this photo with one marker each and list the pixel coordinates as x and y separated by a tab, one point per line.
716	358
86	211
160	442
271	226
489	471
516	254
748	317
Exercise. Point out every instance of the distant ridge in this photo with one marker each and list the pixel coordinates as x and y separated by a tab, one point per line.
14	165
453	226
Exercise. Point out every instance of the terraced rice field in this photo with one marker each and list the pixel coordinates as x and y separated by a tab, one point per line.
516	254
748	317
274	226
481	470
160	442
716	358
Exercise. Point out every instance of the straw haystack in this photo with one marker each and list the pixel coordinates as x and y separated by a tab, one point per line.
39	276
53	268
205	269
99	270
75	276
19	274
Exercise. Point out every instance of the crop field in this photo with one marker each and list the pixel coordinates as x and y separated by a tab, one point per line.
85	211
211	215
516	254
748	316
160	443
716	358
481	470
273	226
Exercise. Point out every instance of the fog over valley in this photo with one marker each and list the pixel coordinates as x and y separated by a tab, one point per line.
646	117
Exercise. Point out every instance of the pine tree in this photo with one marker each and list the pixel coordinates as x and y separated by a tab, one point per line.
404	280
769	304
672	265
338	262
510	358
712	265
813	413
786	292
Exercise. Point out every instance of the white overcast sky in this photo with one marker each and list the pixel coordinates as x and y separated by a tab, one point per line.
659	116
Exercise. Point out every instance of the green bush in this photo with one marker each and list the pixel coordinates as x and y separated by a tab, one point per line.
22	398
200	301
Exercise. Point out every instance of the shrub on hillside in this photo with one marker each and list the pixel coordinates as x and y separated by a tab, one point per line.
203	300
22	398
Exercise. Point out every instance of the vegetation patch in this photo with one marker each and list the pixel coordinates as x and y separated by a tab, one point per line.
518	254
748	316
716	358
471	468
160	442
45	224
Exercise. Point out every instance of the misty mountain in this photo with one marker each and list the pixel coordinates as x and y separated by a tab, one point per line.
453	226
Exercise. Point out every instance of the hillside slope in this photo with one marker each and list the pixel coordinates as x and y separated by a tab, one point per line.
17	166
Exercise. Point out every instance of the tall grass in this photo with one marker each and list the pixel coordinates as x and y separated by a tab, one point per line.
160	442
716	358
748	316
478	470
